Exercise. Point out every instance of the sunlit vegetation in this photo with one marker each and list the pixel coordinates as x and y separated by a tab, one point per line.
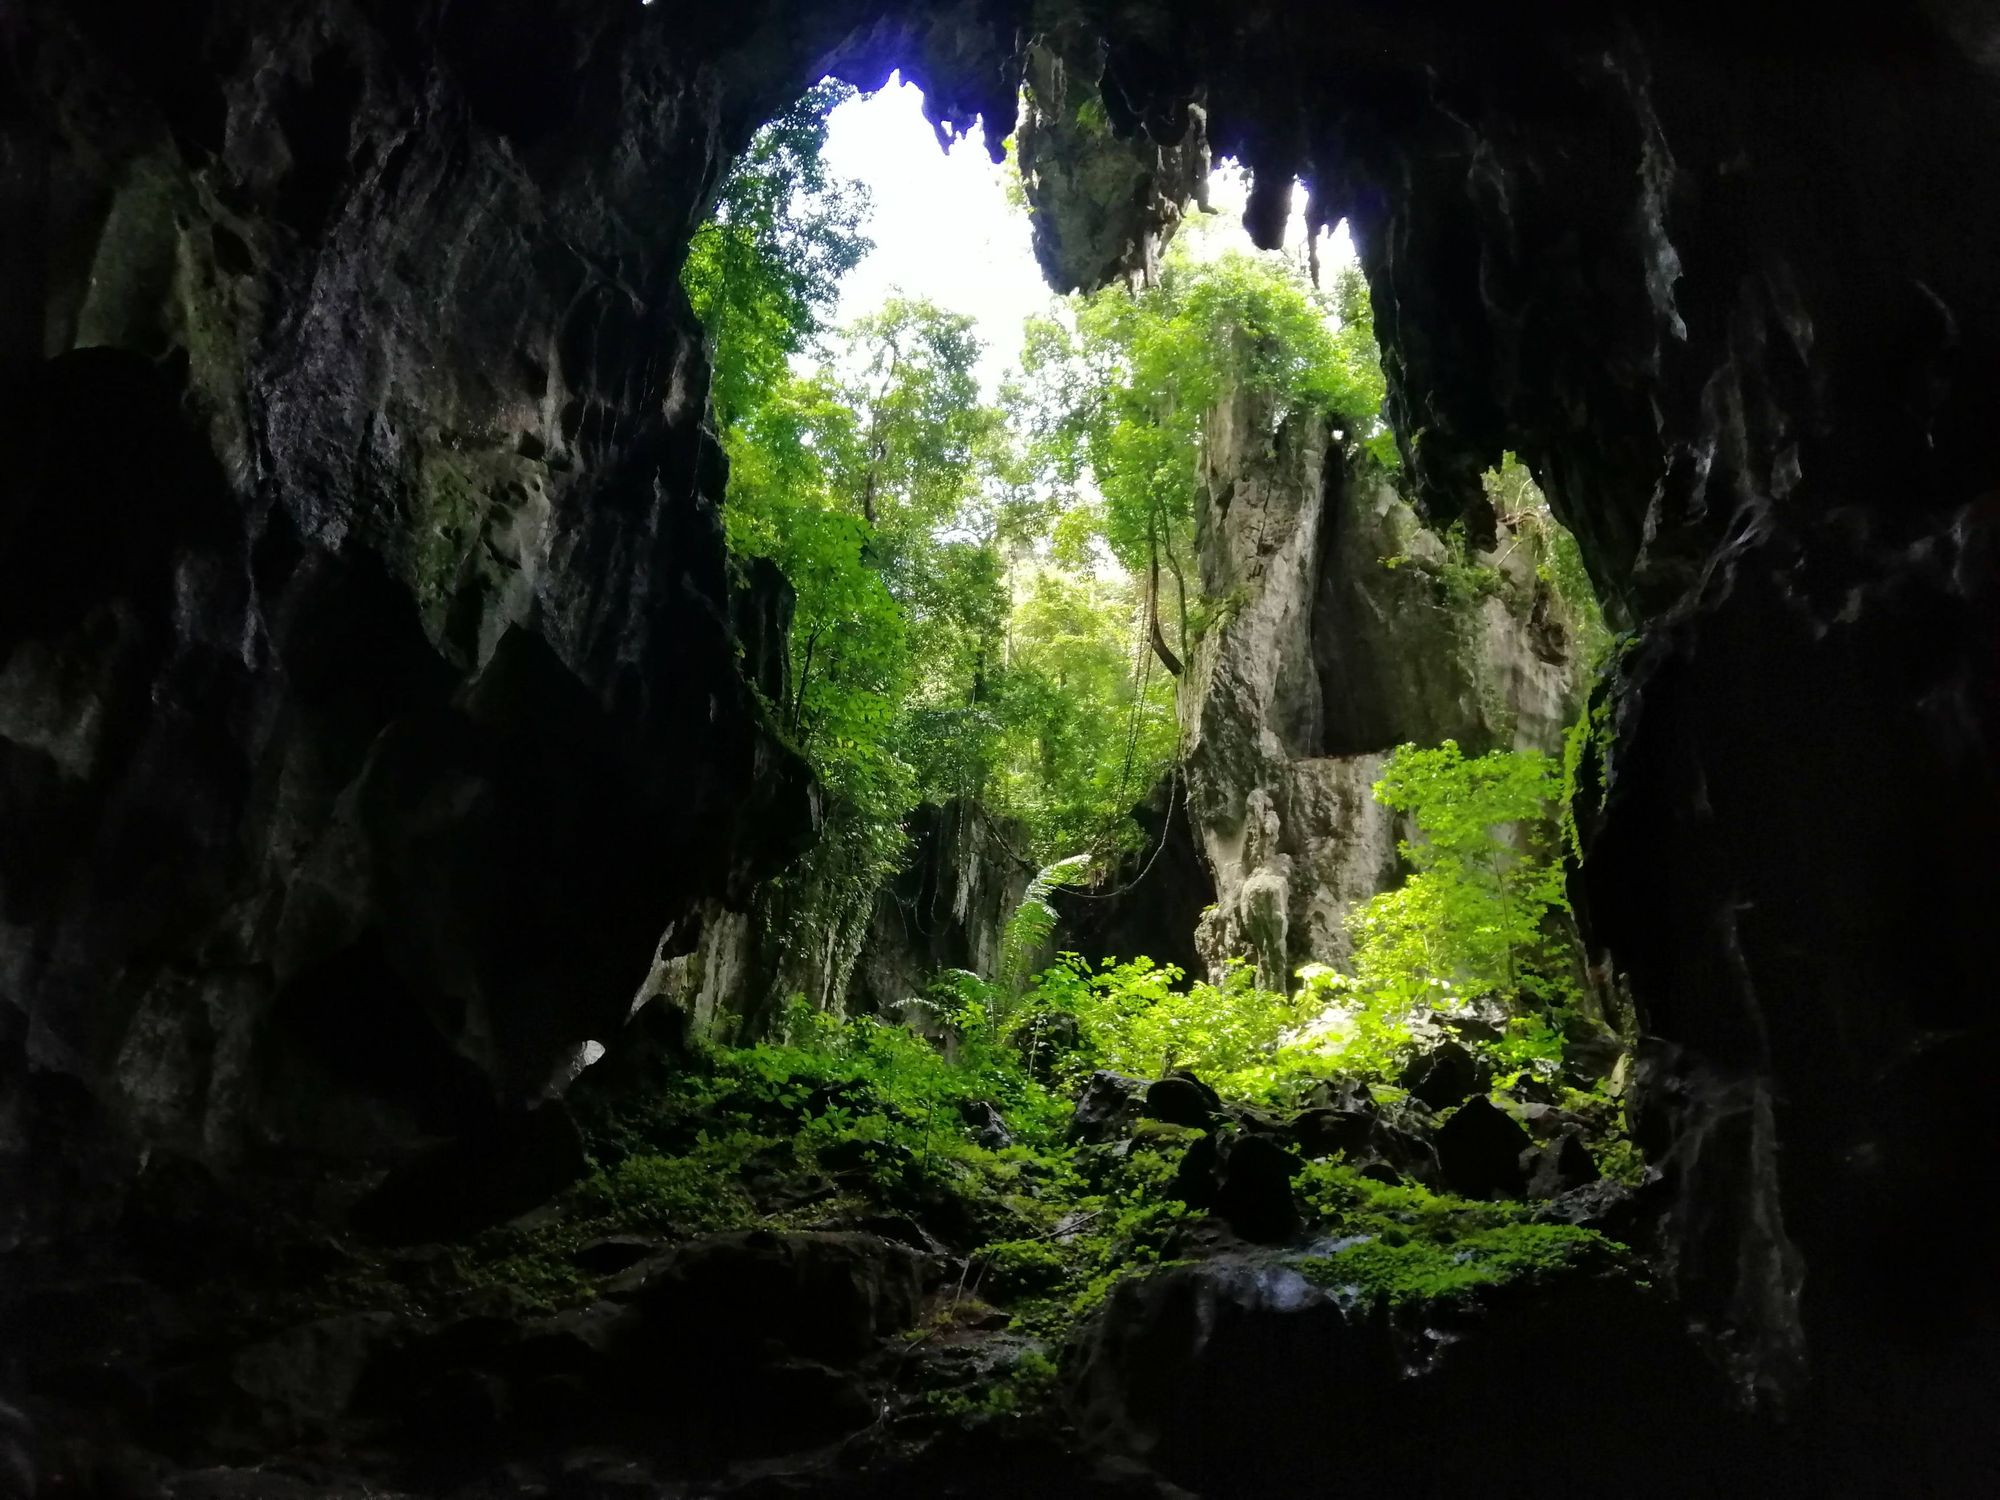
994	602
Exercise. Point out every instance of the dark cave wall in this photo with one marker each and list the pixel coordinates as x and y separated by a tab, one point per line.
370	692
366	584
364	659
1731	291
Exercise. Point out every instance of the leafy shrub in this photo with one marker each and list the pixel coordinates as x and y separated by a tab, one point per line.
1136	1018
685	1194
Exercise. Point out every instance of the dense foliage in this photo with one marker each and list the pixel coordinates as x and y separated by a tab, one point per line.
764	271
979	584
994	598
1125	390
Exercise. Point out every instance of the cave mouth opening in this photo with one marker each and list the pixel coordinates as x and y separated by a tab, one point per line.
460	452
1111	603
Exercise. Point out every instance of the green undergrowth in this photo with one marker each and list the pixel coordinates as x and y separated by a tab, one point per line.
853	1123
1405	1244
964	1137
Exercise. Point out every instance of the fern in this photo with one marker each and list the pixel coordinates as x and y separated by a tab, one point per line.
1033	920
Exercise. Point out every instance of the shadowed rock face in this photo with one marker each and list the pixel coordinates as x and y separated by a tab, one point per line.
1337	649
365	665
368	641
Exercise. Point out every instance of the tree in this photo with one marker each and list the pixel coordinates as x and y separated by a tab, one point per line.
1483	909
1126	395
1086	725
764	272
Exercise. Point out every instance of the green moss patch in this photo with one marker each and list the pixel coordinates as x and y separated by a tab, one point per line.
1412	1270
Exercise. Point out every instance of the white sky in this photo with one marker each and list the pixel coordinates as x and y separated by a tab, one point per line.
943	228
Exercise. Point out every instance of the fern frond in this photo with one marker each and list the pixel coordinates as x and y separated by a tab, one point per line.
1034	919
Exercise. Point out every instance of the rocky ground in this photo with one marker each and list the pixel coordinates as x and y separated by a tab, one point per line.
775	1279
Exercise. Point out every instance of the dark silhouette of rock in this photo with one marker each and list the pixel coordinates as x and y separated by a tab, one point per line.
1324	1131
1245	1180
821	1296
1182	1099
1479	1151
1559	1165
1349	1094
1109	1106
522	1160
989	1127
1448	1074
1608	1206
1220	1374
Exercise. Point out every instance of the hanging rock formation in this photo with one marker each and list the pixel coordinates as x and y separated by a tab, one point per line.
1103	200
1339	638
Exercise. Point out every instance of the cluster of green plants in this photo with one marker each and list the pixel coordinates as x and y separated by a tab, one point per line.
1144	1020
856	1116
1482	915
1404	1244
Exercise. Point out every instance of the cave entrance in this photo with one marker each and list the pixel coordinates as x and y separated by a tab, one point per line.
1115	594
997	592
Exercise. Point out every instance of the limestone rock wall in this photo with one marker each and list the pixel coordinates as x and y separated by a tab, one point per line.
1102	201
947	910
372	681
1336	643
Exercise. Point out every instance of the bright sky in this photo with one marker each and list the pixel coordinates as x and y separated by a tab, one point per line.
943	228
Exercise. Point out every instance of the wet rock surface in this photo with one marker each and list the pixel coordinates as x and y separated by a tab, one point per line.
1225	1375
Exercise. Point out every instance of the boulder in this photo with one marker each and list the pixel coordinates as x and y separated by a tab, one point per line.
1479	1151
519	1162
1476	1022
1547	1121
1182	1099
1364	1140
824	1296
1108	1107
1322	1132
300	1384
1592	1059
1241	1376
1246	1180
988	1125
1608	1206
1559	1165
1446	1075
1349	1094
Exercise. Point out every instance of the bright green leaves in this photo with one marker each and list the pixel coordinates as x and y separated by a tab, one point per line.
1483	910
763	273
1126	396
1033	921
1138	1018
1085	726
